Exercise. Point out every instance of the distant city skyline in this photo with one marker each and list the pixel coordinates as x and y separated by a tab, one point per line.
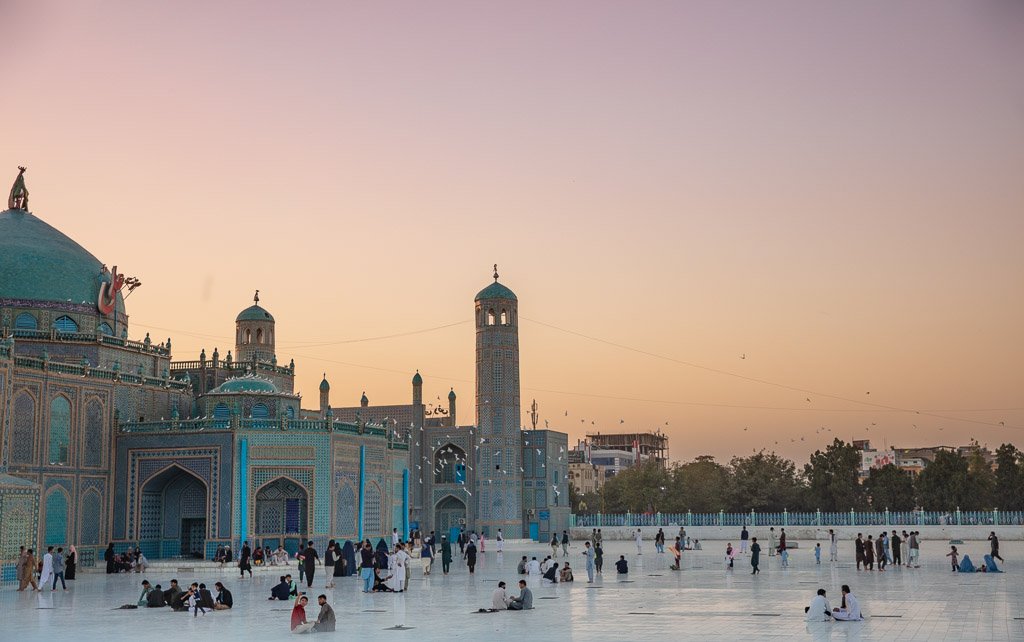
736	223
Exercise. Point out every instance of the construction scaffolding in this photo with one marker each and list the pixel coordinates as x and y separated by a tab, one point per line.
649	445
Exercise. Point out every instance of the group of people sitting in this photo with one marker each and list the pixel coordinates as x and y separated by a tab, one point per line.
197	599
131	561
820	610
965	565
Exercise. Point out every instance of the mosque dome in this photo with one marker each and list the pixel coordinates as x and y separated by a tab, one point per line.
496	291
246	384
40	263
254	313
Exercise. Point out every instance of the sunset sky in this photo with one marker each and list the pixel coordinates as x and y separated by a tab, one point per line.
832	190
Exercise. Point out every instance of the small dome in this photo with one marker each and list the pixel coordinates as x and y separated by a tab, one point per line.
245	384
324	386
254	313
364	400
417	380
496	291
451	395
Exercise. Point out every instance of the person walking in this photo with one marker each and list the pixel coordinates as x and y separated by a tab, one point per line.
833	546
588	553
245	561
470	556
783	551
772	545
880	552
300	556
329	561
897	553
58	569
994	543
554	544
47	573
565	543
659	541
28	572
755	556
869	554
366	566
446	554
309	560
598	557
427	555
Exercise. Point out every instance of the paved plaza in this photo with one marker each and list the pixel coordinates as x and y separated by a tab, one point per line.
703	601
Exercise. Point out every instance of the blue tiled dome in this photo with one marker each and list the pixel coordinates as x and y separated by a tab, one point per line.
496	291
40	263
254	313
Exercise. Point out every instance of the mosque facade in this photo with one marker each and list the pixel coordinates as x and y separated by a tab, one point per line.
106	438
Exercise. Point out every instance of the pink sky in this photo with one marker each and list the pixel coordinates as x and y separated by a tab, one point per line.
831	189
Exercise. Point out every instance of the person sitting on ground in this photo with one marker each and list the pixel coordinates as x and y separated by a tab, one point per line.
566	574
224	600
155	599
257	556
172	596
552	573
525	600
966	565
299	623
850	609
325	620
622	566
281	590
206	598
533	568
380	580
521	569
990	565
545	565
819	610
696	545
219	555
144	598
499	598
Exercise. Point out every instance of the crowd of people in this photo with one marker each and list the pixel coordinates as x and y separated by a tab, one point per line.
40	572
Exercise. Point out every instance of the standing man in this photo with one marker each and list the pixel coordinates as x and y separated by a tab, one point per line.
501	541
744	536
58	569
833	546
309	562
639	542
782	549
446	554
588	552
598	538
470	556
994	541
47	573
897	552
244	560
565	543
858	546
394	537
462	541
299	556
19	568
771	542
366	566
755	556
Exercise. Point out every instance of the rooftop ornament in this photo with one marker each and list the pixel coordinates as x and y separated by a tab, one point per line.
18	200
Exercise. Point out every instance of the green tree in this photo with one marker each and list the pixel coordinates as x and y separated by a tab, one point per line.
641	489
890	487
981	480
944	484
833	478
1009	490
764	482
701	486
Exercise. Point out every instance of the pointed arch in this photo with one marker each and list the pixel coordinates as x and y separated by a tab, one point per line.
59	450
65	324
92	433
55	528
90	529
23	430
373	510
346	510
449	464
26	321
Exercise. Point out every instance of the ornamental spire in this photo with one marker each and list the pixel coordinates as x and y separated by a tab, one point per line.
256	298
18	199
495	272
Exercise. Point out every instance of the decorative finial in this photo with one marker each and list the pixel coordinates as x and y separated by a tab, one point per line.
18	200
495	272
256	298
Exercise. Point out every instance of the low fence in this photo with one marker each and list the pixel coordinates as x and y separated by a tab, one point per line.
817	518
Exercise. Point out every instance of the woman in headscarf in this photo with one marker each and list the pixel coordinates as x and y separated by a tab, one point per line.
70	563
108	557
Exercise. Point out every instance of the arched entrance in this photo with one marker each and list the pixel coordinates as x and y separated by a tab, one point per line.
449	516
282	508
173	515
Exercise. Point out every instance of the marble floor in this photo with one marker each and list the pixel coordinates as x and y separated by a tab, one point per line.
703	601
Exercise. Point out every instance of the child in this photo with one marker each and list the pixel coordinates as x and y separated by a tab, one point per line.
729	554
817	553
952	554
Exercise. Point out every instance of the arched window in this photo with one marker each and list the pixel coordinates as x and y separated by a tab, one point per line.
104	328
490	317
260	411
248	336
56	532
221	411
60	430
259	335
65	324
290	412
449	465
345	515
23	433
504	317
26	321
92	451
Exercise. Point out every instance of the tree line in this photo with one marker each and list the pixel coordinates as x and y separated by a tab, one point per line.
830	481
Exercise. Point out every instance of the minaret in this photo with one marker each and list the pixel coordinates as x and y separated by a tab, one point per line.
451	407
499	481
417	389
254	333
325	397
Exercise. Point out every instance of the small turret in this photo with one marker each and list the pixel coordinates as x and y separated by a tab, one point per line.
417	389
325	397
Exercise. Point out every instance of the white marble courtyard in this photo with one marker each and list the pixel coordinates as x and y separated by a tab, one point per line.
703	601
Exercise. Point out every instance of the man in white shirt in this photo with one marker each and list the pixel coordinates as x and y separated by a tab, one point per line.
639	542
499	599
501	541
533	567
851	607
46	575
819	610
394	537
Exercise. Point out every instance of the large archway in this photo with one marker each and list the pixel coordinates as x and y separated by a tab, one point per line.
449	516
282	509
174	514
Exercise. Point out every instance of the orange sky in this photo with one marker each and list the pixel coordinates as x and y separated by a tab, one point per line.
832	191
